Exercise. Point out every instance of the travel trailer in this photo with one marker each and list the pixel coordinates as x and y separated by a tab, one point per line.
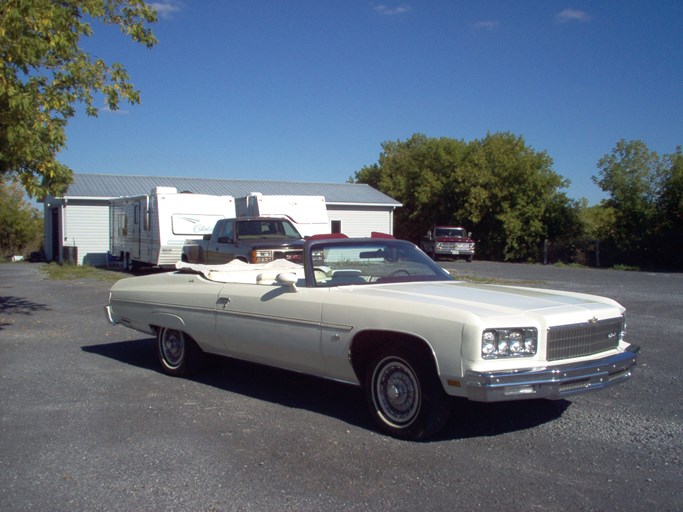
307	213
151	229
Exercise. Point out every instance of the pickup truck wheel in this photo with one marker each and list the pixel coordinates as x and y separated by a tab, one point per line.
405	396
178	354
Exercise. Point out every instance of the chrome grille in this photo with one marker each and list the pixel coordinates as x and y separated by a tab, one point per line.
567	341
296	256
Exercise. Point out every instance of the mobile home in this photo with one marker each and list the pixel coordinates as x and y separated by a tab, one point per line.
307	213
151	229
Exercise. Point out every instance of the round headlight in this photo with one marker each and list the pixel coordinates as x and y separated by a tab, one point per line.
503	347
516	342
488	346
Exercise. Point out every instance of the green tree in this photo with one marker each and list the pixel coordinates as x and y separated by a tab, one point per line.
595	246
44	74
632	176
670	211
497	187
565	229
417	172
21	226
517	188
597	219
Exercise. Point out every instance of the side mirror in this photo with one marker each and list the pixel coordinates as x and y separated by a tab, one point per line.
288	279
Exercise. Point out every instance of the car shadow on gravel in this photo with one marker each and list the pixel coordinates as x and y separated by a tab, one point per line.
138	353
479	419
337	400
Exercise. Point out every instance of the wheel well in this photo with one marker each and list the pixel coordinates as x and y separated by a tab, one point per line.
368	343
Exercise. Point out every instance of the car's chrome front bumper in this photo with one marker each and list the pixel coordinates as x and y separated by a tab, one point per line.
553	382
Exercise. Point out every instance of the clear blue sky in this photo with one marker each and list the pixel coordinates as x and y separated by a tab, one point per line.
308	90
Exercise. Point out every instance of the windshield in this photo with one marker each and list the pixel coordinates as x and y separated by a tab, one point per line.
267	228
375	261
451	232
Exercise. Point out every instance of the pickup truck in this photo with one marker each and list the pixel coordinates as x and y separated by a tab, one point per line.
448	242
250	239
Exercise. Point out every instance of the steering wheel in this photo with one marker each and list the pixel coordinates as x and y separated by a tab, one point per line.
399	271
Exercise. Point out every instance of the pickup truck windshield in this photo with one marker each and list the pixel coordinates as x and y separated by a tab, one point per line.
267	228
450	232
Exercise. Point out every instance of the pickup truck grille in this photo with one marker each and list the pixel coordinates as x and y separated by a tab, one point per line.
567	341
452	246
293	256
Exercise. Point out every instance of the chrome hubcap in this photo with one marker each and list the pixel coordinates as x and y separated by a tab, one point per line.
397	392
172	346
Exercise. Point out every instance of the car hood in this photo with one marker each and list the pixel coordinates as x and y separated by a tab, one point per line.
273	241
487	301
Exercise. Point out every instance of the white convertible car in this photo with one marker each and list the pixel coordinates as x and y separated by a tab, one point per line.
379	313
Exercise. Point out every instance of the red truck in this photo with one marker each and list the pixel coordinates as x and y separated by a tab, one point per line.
448	242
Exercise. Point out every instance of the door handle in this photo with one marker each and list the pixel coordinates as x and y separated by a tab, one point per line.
223	301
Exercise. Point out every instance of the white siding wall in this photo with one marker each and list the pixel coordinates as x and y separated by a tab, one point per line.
359	221
86	226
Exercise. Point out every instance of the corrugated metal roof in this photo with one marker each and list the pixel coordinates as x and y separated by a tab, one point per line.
113	185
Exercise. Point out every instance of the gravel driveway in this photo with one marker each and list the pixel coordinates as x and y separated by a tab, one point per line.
89	423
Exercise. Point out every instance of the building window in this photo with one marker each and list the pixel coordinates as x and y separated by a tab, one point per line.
336	226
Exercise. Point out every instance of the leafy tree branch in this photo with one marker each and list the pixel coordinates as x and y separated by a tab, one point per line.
45	74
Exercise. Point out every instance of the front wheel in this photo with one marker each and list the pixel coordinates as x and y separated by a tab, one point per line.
405	396
178	354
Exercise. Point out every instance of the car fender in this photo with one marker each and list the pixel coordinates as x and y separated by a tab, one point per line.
168	320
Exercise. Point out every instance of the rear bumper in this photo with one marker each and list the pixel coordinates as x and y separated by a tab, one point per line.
112	317
554	382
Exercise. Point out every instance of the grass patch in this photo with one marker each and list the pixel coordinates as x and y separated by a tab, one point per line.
560	264
57	272
628	268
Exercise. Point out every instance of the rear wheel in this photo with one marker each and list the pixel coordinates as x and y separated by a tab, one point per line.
404	394
178	354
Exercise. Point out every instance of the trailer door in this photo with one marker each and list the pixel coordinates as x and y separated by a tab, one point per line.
136	231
